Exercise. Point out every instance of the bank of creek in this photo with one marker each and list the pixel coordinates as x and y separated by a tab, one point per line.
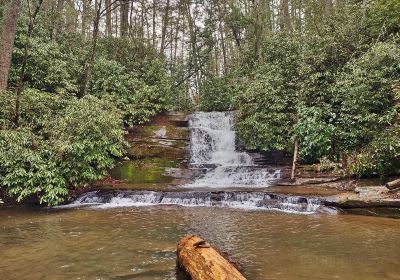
127	226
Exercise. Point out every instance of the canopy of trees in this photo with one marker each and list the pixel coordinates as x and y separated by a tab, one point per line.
322	75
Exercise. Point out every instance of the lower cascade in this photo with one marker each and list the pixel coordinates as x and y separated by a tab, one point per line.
213	148
241	200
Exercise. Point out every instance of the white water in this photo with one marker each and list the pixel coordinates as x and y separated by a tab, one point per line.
240	200
213	146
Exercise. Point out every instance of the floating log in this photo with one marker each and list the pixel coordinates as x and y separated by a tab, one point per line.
393	184
202	262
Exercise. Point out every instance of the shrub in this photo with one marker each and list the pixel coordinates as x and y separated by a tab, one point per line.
28	167
217	94
140	95
63	142
267	109
381	156
367	97
87	136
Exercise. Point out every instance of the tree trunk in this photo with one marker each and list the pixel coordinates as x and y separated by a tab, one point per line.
89	62
108	18
284	16
202	262
21	79
60	22
124	17
222	34
153	35
71	17
85	12
295	152
7	38
164	27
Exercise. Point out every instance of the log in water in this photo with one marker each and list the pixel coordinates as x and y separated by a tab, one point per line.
202	262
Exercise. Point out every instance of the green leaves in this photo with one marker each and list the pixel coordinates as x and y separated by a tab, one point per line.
336	105
65	142
217	94
266	110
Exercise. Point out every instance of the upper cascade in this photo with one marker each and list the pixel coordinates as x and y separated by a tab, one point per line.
213	140
213	146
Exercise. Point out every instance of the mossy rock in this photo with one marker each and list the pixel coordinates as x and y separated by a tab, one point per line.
149	170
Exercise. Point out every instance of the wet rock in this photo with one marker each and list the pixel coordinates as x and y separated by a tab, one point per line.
183	173
369	193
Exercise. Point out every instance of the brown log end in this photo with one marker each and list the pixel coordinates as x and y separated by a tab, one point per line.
202	262
393	184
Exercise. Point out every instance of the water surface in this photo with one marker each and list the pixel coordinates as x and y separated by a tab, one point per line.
140	242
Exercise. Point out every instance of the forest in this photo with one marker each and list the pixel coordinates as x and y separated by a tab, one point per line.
316	79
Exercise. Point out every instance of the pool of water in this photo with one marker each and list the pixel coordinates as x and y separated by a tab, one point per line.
140	243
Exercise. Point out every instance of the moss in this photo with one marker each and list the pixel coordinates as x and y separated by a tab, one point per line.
149	170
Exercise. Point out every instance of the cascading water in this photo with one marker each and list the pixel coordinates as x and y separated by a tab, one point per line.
213	146
241	200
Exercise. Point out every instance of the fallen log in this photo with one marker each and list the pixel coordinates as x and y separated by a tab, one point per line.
393	184
202	262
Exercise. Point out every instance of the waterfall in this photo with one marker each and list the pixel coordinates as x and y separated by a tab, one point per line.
238	200
213	147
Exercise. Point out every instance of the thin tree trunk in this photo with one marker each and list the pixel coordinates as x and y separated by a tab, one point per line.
60	23
154	23
176	32
142	10
221	32
85	8
124	17
295	153
21	79
284	16
108	18
89	63
164	27
7	38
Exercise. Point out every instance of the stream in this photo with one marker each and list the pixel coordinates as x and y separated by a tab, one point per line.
132	234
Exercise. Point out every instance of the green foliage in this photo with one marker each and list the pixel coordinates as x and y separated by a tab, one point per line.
88	136
140	87
366	95
63	142
316	133
383	18
267	108
7	110
381	156
333	92
27	168
217	94
134	76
